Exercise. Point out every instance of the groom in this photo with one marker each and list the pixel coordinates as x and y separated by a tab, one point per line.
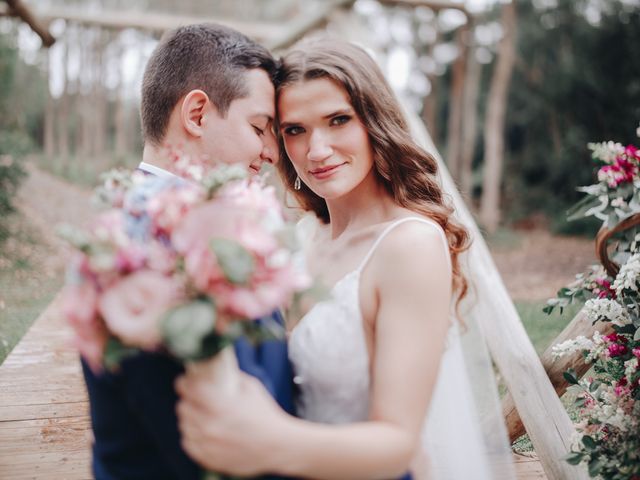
207	93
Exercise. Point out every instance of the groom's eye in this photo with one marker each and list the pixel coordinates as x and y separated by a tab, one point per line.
258	130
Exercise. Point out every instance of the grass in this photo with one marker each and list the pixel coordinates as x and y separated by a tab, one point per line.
26	287
543	328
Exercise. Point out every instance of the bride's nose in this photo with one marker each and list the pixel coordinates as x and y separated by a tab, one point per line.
319	146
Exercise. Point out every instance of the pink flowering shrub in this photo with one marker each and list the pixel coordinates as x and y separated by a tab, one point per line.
608	401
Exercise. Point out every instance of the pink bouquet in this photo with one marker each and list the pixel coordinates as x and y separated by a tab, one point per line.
179	265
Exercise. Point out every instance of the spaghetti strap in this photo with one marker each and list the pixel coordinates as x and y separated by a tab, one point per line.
400	221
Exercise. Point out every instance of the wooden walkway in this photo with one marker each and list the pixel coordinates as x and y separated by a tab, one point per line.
44	425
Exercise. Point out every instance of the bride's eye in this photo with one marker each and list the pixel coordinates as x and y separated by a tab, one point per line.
340	119
293	130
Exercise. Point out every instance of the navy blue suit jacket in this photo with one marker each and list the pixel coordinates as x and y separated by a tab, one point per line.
133	411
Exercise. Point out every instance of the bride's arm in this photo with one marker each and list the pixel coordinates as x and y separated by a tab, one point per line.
247	434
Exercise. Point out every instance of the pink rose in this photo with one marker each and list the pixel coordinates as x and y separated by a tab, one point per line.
616	350
130	258
242	302
109	227
133	306
202	267
79	304
168	208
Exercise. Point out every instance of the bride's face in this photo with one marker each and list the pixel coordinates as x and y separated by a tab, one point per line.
324	138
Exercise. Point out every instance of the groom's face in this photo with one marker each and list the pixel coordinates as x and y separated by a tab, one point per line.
245	134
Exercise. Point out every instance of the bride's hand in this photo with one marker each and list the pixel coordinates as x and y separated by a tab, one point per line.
231	432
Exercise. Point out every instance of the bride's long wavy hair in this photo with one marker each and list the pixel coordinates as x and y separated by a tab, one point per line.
406	171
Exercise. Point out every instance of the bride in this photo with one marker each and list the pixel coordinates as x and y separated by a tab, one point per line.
383	385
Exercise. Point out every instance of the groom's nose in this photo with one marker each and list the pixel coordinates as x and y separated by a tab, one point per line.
270	151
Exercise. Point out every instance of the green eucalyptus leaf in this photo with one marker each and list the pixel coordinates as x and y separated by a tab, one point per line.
570	376
115	352
185	327
236	262
589	442
595	466
574	458
581	208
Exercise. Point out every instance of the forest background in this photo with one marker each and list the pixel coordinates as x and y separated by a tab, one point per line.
69	112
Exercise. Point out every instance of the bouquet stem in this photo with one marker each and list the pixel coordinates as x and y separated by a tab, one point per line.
222	368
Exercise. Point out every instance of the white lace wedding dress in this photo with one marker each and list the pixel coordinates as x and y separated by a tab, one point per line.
329	355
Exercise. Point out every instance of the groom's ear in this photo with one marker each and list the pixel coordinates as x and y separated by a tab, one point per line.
194	107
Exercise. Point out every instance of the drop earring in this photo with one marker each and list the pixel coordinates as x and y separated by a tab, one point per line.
297	184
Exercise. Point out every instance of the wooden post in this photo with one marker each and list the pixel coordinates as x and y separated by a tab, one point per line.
580	325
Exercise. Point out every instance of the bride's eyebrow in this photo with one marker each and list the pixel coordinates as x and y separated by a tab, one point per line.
335	113
342	111
287	124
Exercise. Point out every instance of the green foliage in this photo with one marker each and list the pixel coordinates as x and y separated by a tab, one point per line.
12	148
20	115
574	81
23	92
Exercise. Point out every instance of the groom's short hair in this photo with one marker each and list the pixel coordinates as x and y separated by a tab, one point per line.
209	57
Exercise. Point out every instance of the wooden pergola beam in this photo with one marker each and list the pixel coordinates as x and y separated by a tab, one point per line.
432	4
20	10
304	25
155	22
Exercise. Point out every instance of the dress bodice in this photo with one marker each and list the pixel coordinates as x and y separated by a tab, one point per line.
328	350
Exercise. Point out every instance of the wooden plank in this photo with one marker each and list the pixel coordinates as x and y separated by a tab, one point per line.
528	467
17	8
45	431
304	24
157	22
432	4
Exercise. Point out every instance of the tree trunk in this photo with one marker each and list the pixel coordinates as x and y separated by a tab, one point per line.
430	104
100	123
120	118
49	113
469	122
63	108
454	126
494	125
84	97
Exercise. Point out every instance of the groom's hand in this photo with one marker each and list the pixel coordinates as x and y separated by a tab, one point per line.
233	432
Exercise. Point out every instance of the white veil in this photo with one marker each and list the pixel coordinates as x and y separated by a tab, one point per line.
464	435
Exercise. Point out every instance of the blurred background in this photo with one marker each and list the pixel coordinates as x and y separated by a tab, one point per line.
510	91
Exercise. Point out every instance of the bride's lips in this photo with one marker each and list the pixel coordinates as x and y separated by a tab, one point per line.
325	172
